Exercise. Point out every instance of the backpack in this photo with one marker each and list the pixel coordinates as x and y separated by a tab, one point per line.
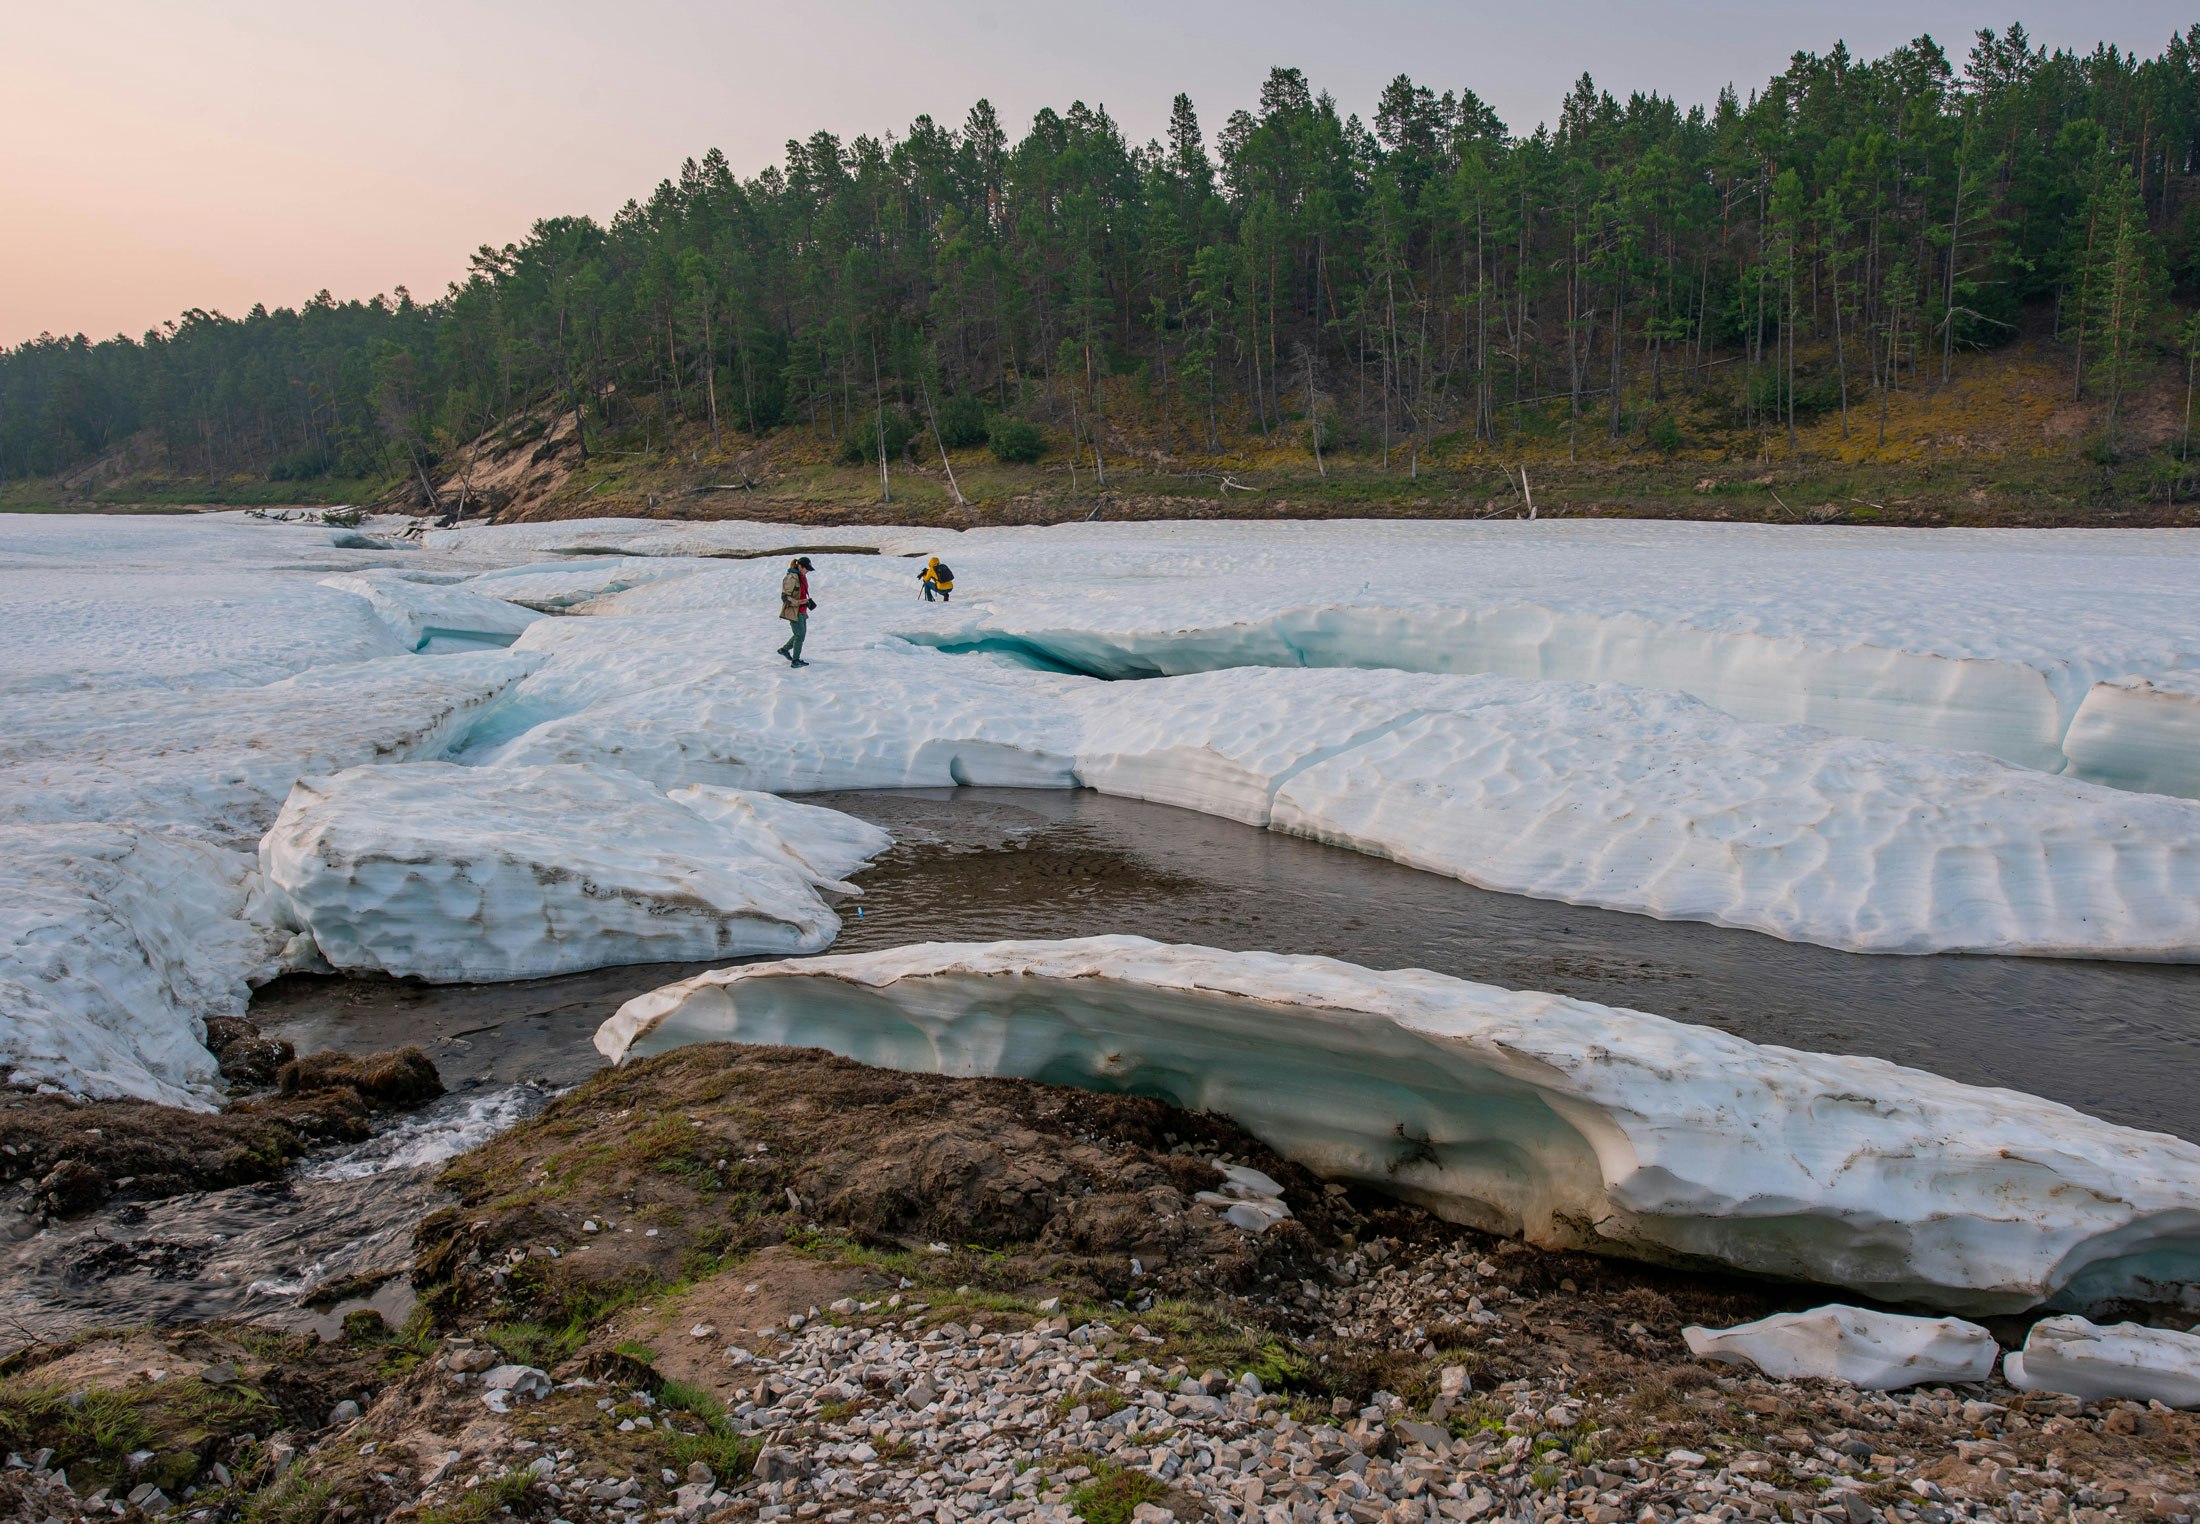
943	573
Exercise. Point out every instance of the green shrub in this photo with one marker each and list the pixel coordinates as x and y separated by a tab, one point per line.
860	445
962	423
1665	434
1016	442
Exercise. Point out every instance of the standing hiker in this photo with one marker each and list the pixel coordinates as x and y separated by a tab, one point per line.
795	604
936	578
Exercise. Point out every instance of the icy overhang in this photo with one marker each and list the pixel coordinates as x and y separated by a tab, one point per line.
1571	1123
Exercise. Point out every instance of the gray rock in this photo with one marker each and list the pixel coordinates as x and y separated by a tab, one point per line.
777	1463
524	1382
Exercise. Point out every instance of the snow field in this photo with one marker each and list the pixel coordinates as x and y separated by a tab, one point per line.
1571	1123
153	654
220	760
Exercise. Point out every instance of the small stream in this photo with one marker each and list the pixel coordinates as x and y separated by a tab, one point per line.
2119	1040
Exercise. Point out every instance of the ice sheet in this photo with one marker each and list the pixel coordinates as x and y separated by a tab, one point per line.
220	760
554	588
1572	1123
431	871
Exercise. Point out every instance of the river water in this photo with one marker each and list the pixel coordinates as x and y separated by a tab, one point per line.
2119	1040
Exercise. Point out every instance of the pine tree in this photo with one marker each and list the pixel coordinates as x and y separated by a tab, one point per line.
2123	282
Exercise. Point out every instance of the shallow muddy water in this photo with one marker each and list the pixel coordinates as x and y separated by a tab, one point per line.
2119	1040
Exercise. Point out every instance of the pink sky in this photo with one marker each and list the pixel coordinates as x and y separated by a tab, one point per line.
161	156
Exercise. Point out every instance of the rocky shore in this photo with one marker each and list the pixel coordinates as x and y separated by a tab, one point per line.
755	1284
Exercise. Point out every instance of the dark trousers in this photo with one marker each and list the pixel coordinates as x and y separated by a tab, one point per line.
799	626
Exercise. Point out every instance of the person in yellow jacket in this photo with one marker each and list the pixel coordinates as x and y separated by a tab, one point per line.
936	578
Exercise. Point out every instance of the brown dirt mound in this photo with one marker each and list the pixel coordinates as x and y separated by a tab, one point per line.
720	1148
394	1081
249	1060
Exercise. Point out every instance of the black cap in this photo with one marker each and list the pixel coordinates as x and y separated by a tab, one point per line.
804	563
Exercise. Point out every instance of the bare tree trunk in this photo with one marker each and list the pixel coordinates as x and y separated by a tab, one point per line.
878	417
1314	416
1840	352
1092	390
1948	298
710	375
934	419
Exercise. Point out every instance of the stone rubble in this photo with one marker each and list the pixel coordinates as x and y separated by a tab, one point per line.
874	1411
891	1418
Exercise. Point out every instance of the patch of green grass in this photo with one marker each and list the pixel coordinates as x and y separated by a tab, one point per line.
635	1349
81	1427
90	1432
290	1499
534	1344
403	1349
1113	1494
717	1446
683	1397
485	1501
1479	1415
821	1244
1100	1403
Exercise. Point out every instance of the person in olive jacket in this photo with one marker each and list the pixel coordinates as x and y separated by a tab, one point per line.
795	604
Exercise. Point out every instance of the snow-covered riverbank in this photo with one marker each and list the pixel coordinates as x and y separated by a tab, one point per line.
1581	712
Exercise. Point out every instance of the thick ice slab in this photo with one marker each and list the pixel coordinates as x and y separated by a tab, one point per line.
1877	1351
1572	1123
2140	733
116	943
1631	799
434	616
2122	1360
167	680
448	873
